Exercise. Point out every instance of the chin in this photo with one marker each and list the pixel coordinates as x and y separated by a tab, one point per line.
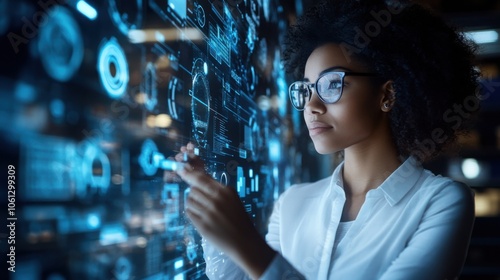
325	149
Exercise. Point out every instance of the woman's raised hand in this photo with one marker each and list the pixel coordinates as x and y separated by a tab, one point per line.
218	214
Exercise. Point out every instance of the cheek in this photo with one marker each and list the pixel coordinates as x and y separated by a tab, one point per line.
359	117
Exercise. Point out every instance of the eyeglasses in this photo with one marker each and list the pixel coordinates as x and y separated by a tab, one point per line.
328	87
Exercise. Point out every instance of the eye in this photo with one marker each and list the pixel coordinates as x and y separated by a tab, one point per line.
334	84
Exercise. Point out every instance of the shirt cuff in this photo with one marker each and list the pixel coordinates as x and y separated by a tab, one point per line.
280	268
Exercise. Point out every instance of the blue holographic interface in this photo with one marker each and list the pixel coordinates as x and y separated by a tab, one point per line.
95	99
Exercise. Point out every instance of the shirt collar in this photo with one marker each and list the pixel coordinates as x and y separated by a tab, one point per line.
401	181
394	188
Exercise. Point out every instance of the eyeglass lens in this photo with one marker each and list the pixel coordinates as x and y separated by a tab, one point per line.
328	87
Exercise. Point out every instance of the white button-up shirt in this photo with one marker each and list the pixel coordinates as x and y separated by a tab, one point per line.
415	225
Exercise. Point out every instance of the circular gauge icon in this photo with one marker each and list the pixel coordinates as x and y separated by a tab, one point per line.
200	102
256	140
122	269
177	101
200	16
126	15
60	44
146	159
150	87
96	168
112	67
234	35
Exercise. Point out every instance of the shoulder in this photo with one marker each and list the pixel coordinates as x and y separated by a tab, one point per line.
438	183
445	191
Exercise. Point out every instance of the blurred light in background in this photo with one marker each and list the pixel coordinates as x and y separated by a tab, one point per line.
483	36
139	36
470	168
87	10
487	203
471	171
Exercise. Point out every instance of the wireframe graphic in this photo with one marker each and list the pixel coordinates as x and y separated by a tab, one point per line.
96	169
175	92
200	15
171	199
220	44
96	105
150	87
50	169
171	10
126	15
200	105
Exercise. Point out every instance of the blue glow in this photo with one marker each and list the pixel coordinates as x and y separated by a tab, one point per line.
93	221
97	181
240	185
113	68
150	87
25	92
112	234
178	264
274	150
243	153
146	158
126	21
483	36
171	165
205	68
61	44
57	108
87	10
179	6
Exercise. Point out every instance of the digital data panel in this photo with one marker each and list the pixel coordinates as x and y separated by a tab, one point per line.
95	99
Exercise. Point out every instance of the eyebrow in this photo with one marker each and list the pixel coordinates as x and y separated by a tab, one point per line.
330	69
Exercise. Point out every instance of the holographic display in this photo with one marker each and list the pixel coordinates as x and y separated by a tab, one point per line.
96	97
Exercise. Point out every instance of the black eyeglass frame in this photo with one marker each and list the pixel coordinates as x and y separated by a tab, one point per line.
314	85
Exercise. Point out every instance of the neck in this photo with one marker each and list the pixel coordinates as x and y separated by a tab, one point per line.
367	165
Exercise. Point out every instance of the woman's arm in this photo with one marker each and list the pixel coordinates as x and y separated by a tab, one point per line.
218	214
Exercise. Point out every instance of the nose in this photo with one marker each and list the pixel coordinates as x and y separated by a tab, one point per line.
315	105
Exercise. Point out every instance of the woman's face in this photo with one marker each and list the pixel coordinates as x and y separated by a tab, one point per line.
351	121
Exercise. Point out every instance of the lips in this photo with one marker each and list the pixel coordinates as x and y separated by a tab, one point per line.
316	128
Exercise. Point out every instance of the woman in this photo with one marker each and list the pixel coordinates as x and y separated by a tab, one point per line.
384	82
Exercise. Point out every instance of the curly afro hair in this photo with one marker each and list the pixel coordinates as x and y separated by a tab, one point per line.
429	62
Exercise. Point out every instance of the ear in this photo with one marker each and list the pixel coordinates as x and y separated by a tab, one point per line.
388	96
